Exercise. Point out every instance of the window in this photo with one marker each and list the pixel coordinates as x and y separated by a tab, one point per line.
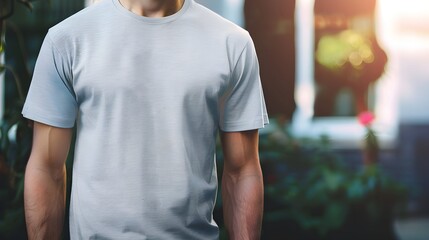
343	128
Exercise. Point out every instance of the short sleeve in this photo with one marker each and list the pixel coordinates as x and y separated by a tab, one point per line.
51	99
243	106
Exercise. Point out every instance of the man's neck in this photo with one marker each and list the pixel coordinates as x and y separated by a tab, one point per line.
153	8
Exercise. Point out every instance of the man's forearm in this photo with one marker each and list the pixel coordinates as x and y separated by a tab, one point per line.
243	201
44	201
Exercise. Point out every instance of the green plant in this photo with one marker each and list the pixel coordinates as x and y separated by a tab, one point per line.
311	194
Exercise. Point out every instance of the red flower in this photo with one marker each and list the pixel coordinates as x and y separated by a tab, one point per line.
366	118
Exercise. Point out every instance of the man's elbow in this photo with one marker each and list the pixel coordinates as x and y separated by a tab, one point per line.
39	166
248	167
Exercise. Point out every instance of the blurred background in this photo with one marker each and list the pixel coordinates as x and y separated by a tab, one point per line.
346	154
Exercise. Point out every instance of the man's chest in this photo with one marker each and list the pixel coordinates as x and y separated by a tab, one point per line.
159	67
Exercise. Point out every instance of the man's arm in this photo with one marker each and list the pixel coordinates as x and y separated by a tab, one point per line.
45	182
242	185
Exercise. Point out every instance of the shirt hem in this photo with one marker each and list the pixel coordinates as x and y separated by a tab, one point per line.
259	122
60	123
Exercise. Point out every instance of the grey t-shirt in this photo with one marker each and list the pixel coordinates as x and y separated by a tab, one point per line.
148	96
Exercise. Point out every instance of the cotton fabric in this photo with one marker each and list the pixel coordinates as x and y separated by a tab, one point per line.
147	96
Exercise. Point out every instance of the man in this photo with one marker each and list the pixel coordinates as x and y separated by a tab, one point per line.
149	83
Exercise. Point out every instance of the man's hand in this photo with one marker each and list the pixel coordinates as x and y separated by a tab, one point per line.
45	182
242	185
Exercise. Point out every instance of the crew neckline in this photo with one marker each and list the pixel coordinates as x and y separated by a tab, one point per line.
153	20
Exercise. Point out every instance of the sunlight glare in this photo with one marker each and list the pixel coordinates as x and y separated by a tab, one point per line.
404	24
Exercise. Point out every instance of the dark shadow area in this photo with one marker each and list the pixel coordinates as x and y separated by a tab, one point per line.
272	27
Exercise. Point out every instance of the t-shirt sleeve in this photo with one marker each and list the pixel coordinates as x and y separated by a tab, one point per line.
51	99
243	106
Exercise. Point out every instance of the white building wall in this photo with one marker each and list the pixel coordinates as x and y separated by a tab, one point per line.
404	28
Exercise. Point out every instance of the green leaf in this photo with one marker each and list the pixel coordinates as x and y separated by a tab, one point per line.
333	180
356	190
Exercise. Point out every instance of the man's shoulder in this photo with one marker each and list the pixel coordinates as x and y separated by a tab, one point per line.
214	23
80	21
